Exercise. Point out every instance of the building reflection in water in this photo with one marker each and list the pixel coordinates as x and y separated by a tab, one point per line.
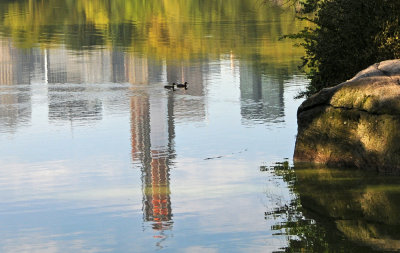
15	102
66	71
261	95
151	138
152	134
194	72
70	98
77	90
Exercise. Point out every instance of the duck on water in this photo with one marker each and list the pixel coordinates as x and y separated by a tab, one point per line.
182	85
179	85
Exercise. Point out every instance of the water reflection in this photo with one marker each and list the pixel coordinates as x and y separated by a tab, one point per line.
108	160
174	29
152	132
69	106
65	70
261	94
153	116
338	210
192	106
15	102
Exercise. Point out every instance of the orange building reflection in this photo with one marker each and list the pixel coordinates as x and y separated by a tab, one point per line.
154	160
152	132
157	204
152	127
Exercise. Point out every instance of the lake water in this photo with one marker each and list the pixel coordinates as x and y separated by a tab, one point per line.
97	156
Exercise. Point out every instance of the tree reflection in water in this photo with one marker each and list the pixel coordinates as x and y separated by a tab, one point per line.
334	210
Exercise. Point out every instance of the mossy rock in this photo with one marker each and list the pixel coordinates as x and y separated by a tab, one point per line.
354	124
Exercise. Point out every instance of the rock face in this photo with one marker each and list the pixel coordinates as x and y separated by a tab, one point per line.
354	124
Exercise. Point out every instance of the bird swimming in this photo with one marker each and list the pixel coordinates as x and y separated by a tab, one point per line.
170	86
182	85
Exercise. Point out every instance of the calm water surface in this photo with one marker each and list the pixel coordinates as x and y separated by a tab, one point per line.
96	156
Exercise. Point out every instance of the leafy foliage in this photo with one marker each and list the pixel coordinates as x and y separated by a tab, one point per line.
348	36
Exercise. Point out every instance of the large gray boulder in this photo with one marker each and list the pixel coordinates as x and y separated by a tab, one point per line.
354	124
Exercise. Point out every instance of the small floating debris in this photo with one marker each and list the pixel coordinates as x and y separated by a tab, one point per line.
220	156
215	157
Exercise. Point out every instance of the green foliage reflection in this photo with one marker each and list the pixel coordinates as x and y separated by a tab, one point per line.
174	29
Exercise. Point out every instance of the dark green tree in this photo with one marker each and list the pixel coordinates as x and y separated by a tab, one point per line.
347	36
